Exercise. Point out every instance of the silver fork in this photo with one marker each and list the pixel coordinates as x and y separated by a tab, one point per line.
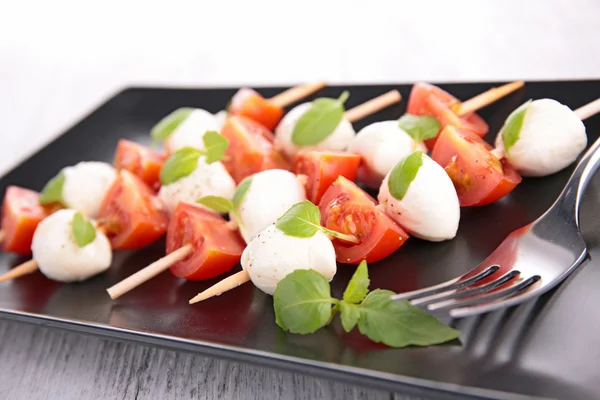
529	262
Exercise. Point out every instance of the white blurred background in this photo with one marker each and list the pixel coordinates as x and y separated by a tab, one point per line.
59	60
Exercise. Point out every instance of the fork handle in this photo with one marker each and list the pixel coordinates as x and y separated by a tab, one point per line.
570	198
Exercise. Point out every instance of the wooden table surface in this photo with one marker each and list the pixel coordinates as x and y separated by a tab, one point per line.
58	60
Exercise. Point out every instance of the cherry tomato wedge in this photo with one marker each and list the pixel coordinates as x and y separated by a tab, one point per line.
427	99
348	209
217	249
250	149
248	103
479	177
131	216
21	214
140	161
322	168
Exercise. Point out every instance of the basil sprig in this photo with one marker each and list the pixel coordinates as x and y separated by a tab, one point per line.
419	127
511	130
166	126
184	161
52	191
82	229
303	220
319	121
303	304
403	173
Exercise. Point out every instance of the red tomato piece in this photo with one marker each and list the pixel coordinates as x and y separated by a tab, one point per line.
479	177
217	249
140	161
426	99
322	168
348	209
248	103
131	216
250	149
21	214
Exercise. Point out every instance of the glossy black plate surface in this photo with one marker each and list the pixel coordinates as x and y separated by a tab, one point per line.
548	348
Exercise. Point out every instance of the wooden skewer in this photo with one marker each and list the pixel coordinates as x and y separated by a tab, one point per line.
372	106
486	98
590	109
24	269
296	93
149	272
223	286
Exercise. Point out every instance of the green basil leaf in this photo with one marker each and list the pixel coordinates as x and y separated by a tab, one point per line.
240	192
52	191
319	121
419	127
182	163
358	287
349	314
403	173
83	231
400	324
302	220
302	302
166	126
216	203
511	130
215	145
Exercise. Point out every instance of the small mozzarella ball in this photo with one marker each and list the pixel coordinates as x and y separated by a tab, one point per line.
339	139
551	138
206	180
430	209
220	118
272	255
270	195
381	145
86	184
191	131
60	258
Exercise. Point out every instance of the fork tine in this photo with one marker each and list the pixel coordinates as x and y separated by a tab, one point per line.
467	292
452	284
485	302
520	294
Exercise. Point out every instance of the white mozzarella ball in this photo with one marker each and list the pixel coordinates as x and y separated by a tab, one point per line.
272	255
58	255
430	209
86	184
551	138
220	118
339	139
381	145
191	131
206	180
270	195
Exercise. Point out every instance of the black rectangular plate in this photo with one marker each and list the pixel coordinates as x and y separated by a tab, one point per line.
546	348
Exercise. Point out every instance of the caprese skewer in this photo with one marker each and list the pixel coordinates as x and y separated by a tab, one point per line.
382	144
81	186
268	112
539	138
296	241
323	124
129	217
185	126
